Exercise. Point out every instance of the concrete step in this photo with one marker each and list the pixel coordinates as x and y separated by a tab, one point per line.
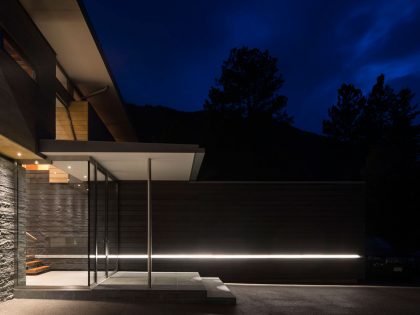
217	291
167	287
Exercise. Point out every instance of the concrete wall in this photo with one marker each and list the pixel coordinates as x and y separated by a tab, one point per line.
252	218
12	268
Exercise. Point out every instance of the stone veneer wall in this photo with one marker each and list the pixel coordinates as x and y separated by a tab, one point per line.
12	268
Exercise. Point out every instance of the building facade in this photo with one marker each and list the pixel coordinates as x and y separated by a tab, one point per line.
75	185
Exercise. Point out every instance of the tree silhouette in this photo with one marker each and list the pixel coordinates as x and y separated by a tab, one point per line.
384	117
345	116
388	118
248	87
382	126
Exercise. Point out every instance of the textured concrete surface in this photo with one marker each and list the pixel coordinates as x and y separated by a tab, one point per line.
7	227
251	299
129	280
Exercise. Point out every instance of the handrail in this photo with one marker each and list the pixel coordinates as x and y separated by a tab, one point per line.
31	236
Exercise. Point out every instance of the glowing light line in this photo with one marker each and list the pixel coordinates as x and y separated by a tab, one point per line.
214	256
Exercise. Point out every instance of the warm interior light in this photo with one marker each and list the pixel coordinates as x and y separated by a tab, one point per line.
19	154
36	162
69	167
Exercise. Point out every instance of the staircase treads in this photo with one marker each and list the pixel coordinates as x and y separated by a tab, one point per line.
33	262
37	270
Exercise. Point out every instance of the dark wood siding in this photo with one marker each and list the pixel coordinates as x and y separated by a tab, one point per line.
27	108
252	218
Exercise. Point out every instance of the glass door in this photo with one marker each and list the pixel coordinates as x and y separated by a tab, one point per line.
103	228
112	235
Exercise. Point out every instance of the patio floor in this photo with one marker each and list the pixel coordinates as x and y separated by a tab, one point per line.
251	299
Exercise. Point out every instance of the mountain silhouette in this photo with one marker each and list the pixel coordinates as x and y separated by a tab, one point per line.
282	153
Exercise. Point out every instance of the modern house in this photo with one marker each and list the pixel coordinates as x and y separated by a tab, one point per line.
78	191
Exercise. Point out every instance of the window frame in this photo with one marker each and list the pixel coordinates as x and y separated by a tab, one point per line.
6	38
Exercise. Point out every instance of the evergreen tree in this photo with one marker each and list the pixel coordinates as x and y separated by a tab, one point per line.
248	87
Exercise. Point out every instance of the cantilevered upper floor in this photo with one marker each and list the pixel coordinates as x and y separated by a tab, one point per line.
66	27
54	80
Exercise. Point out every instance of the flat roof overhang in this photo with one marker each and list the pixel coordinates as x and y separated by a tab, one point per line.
129	160
67	29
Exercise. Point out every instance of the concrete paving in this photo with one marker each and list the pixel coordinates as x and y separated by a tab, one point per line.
128	280
251	299
58	278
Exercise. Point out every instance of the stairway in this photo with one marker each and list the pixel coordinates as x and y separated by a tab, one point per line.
35	266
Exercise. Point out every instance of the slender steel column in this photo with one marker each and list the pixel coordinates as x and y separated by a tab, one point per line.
96	224
149	223
106	226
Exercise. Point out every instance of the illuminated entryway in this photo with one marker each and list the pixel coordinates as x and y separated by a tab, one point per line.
71	218
71	214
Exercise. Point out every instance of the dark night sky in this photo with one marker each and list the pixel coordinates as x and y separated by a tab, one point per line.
169	52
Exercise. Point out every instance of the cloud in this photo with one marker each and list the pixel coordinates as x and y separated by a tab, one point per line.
170	52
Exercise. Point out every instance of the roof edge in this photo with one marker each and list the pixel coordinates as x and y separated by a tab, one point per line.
63	146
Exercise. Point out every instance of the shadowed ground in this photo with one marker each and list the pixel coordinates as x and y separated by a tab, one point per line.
251	299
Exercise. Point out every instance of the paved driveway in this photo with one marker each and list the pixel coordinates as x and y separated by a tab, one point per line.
252	299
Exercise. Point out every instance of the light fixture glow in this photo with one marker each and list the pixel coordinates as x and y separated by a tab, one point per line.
36	162
69	167
85	176
256	256
210	256
19	154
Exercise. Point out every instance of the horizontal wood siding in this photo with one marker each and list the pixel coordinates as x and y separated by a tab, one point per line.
226	218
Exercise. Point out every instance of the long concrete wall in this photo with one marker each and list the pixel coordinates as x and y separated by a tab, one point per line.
247	218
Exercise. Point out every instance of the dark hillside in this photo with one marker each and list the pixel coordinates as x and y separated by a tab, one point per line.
280	152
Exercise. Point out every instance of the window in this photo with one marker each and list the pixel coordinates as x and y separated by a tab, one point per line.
61	77
68	85
76	95
11	49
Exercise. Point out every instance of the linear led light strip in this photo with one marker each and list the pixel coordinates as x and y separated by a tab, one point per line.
210	256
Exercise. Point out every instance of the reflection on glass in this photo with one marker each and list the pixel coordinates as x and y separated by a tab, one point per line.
92	230
67	224
112	225
11	48
101	205
56	223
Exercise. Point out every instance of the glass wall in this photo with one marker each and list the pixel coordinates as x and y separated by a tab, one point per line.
101	205
112	226
103	231
70	223
56	223
11	48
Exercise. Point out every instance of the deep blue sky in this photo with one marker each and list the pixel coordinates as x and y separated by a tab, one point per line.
169	52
